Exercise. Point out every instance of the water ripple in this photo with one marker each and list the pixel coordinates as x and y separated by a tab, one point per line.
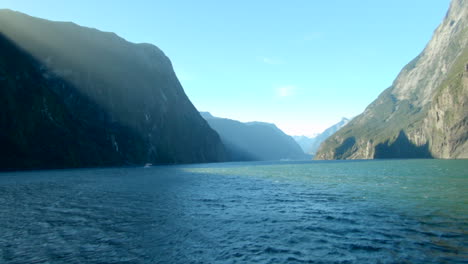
171	215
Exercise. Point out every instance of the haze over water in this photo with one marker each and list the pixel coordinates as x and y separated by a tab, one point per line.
412	211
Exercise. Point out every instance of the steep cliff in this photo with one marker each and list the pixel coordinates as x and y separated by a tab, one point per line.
254	140
425	111
83	97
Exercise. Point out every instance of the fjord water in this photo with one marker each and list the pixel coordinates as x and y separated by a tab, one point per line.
388	211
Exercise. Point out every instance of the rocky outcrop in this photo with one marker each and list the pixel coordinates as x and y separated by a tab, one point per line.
254	140
446	123
75	96
424	113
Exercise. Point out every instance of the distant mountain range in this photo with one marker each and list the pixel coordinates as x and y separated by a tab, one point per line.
72	96
254	140
424	113
310	145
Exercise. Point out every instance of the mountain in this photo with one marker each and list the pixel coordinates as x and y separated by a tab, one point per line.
311	145
206	115
73	96
254	140
424	113
305	142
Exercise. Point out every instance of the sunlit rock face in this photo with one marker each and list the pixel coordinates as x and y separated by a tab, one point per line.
425	111
74	96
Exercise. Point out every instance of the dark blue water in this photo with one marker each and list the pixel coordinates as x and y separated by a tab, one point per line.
412	211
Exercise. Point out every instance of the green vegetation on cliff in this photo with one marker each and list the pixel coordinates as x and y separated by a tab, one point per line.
424	113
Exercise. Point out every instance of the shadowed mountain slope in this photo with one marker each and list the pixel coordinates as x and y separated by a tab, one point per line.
254	140
83	97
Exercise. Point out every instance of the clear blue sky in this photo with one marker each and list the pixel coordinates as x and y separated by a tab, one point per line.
299	64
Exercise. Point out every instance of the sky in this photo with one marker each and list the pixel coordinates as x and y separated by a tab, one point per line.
301	64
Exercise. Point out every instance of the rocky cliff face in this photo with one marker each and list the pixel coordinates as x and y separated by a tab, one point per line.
254	140
99	92
425	111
